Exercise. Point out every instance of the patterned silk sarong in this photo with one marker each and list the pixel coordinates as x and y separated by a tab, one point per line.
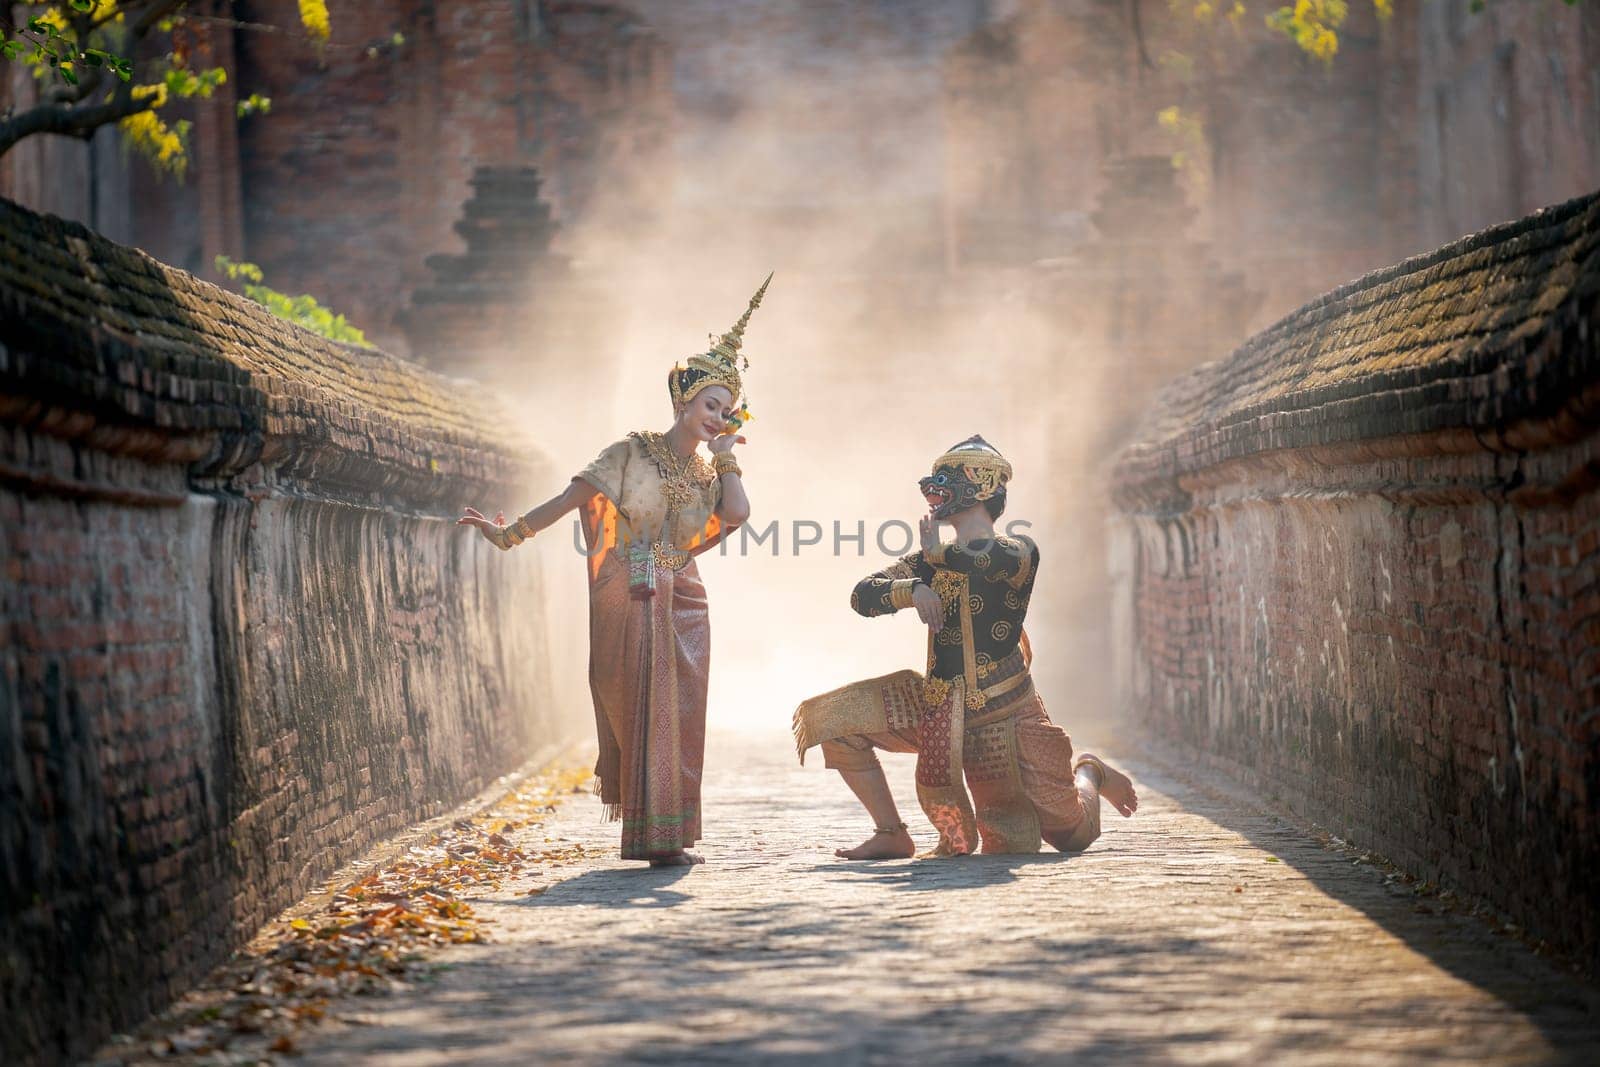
648	670
1017	763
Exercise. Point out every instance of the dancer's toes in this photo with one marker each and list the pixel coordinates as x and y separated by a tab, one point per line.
883	845
1118	789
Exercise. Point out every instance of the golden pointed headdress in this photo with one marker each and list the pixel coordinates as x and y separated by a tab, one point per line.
720	365
983	464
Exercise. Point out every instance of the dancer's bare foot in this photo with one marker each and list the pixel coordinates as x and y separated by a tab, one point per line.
677	859
893	844
1116	787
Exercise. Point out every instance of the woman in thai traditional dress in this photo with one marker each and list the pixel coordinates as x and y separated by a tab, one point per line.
649	504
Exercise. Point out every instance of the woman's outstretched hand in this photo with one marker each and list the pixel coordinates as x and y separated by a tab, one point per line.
493	530
725	441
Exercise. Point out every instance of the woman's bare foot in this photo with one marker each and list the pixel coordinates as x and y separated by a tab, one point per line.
677	859
1116	787
893	844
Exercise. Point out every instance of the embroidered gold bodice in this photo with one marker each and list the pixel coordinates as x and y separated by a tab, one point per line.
985	587
661	498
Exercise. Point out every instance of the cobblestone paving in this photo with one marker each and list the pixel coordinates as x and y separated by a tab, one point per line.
1200	931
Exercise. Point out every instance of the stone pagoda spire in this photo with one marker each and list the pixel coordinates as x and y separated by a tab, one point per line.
476	317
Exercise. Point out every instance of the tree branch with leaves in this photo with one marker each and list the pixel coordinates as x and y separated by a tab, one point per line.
85	58
82	53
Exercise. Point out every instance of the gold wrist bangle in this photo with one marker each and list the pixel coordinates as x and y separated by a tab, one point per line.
724	463
900	592
511	537
522	527
935	555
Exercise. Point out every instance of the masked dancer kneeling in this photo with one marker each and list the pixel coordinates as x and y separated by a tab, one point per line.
975	712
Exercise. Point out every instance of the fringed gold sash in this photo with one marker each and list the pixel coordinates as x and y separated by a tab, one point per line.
875	705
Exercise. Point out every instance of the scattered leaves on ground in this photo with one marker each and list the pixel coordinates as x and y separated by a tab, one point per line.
373	936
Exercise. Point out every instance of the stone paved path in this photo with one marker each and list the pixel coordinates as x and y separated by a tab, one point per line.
1175	939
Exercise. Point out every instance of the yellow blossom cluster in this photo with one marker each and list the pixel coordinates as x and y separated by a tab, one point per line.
156	93
54	17
1313	25
100	12
1207	10
314	17
149	135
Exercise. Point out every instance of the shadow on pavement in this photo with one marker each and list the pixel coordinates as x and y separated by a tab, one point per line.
963	872
1564	1007
616	887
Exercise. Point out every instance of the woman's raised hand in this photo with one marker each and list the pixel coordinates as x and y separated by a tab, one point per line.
492	530
725	441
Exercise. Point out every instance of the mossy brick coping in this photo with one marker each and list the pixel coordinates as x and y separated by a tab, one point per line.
1476	335
92	326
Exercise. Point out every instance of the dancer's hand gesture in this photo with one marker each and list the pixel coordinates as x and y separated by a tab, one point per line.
493	530
929	606
928	527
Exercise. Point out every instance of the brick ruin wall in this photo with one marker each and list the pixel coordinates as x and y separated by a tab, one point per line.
243	639
1358	562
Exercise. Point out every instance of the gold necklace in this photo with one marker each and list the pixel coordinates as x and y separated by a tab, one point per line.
683	478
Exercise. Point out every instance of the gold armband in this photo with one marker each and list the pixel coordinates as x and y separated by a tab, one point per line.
935	555
725	463
900	592
522	527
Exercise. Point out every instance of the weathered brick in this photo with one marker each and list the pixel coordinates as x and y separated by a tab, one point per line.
209	718
1429	683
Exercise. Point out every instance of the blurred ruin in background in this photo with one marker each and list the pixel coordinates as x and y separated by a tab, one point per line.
1014	218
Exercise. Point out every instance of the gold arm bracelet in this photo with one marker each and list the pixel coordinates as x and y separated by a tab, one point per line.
522	527
725	463
900	592
935	555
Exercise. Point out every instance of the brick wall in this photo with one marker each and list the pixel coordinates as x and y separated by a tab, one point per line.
1507	102
242	637
1359	562
360	171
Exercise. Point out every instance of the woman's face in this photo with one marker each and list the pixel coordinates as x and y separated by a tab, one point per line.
706	414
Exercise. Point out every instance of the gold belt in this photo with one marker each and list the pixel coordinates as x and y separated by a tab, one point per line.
996	671
1021	684
934	690
670	556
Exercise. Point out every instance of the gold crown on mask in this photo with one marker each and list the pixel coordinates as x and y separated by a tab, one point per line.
720	365
982	463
